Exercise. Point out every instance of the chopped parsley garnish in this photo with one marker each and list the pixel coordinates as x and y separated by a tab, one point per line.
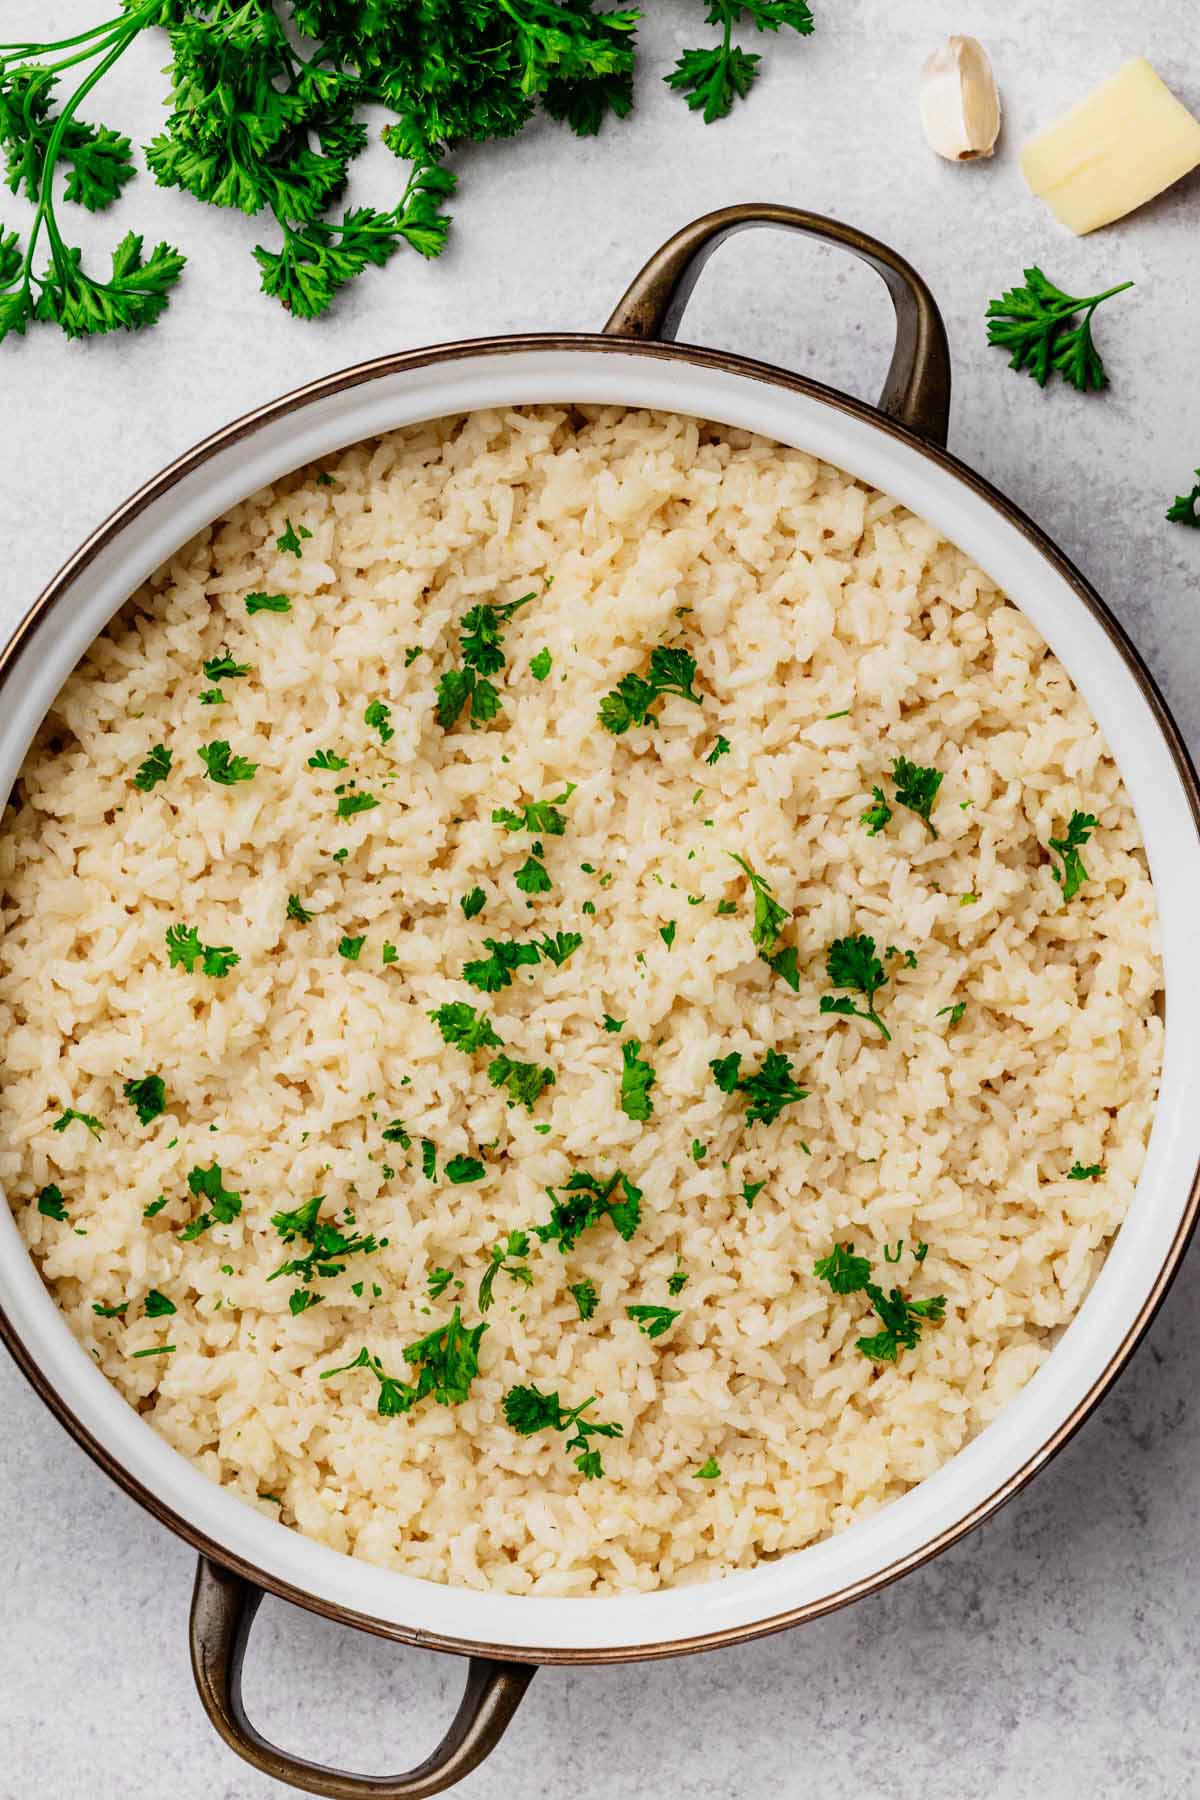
50	1203
1072	875
275	603
1085	1171
473	903
851	962
212	697
877	814
461	1169
539	665
585	1297
429	1159
184	950
110	1312
505	1257
395	1133
527	1409
750	1192
446	1362
902	1319
667	933
480	638
66	1118
769	1090
437	1281
954	1012
223	668
652	1321
289	542
224	769
721	748
328	1248
637	1078
156	1206
726	908
677	1281
351	948
223	1208
465	1028
412	653
611	1024
631	701
325	759
524	1082
887	1252
379	718
558	948
699	1150
295	910
148	1096
156	768
350	804
542	817
916	788
154	1350
769	920
532	878
708	1471
494	972
588	1201
157	1305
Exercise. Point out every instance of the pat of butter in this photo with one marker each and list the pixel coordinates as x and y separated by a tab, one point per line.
1117	149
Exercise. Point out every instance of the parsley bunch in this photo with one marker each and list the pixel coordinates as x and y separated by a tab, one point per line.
259	126
1039	324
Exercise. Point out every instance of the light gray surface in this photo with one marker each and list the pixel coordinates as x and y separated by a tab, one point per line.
1056	1650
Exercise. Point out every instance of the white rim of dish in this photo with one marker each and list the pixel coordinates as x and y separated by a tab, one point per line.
397	391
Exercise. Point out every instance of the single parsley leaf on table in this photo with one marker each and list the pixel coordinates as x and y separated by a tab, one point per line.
851	962
1185	508
712	79
1039	324
1072	874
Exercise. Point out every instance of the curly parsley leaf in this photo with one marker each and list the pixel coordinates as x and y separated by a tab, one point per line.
637	1078
560	947
148	1097
588	1200
916	789
156	768
631	702
877	814
652	1321
325	759
585	1297
1039	324
223	668
721	748
542	817
446	1363
851	962
480	640
524	1082
769	1090
492	973
223	768
528	1410
532	878
465	1028
1072	874
1085	1171
459	1170
1185	508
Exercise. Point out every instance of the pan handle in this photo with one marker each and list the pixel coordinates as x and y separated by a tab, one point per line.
917	390
223	1609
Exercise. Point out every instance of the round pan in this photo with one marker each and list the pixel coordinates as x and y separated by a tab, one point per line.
899	446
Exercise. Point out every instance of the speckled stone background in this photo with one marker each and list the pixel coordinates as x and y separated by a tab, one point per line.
1056	1651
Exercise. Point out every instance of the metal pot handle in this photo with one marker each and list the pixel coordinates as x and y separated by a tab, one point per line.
917	390
223	1609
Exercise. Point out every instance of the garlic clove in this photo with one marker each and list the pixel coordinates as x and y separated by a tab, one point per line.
960	103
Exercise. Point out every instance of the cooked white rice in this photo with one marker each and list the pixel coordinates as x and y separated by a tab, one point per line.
802	594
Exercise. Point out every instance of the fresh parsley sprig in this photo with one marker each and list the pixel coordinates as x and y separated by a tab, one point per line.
712	79
851	962
527	1410
1185	508
1039	323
